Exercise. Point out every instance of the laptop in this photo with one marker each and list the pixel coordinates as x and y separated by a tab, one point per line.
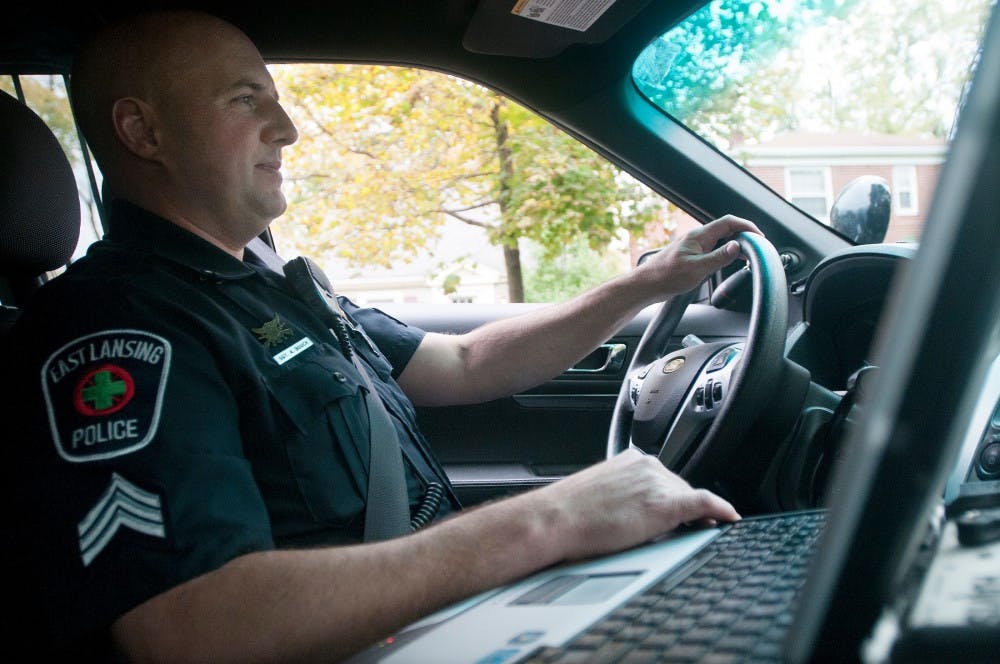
903	563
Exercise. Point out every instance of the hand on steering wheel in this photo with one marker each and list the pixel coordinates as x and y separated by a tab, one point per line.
693	407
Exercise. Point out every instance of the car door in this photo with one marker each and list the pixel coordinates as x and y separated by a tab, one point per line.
545	432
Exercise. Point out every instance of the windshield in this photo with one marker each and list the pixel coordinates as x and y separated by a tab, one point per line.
811	95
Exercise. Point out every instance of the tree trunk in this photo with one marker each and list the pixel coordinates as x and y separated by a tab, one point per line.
515	280
511	254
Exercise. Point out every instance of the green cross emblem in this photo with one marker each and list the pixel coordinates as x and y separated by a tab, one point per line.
101	394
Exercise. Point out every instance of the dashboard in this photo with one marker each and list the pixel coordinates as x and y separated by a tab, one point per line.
842	302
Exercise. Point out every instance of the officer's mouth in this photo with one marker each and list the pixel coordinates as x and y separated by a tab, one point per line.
272	167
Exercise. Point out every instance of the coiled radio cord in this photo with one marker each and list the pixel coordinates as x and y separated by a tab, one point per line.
428	506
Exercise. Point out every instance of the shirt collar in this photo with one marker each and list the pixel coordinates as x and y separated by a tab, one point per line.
133	226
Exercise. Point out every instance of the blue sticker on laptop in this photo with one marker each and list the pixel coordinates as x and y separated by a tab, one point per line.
104	392
525	638
499	656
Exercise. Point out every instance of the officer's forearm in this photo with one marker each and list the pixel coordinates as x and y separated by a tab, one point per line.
505	356
508	355
522	352
324	604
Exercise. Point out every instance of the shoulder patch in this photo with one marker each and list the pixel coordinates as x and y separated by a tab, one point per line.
103	393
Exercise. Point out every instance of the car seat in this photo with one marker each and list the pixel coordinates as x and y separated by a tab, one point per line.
39	209
39	229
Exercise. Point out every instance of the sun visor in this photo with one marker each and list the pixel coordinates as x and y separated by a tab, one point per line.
545	28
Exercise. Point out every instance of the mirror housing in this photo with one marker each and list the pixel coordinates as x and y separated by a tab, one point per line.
861	210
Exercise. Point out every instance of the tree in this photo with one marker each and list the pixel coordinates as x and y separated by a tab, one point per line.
903	70
740	70
718	71
390	152
573	271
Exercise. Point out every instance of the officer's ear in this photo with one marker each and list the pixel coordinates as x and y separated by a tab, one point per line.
135	126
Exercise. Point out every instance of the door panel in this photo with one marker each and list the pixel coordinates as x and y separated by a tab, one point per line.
529	439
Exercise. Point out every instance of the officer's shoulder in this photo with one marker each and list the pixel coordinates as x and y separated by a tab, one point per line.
80	283
104	285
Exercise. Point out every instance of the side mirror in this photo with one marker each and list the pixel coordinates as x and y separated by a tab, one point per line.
861	210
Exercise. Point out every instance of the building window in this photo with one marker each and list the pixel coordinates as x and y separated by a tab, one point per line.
808	188
904	187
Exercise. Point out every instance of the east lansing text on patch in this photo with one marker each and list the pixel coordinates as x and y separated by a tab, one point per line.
104	391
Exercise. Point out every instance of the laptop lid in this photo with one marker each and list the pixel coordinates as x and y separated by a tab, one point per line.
935	346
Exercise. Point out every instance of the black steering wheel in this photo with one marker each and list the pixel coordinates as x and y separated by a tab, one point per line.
694	406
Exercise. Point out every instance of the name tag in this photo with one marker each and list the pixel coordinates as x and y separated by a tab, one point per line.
293	350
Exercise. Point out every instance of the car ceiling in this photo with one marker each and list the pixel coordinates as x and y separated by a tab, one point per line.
482	41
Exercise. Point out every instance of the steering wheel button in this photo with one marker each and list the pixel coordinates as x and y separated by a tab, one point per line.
708	395
717	391
699	396
722	359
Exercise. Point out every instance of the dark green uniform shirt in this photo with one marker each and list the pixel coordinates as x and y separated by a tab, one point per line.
182	408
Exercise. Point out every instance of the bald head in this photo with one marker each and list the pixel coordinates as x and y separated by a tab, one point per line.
183	117
148	57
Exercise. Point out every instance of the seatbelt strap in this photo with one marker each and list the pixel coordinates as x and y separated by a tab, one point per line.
387	512
267	256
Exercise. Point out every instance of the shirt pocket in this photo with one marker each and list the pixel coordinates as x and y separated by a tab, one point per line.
327	448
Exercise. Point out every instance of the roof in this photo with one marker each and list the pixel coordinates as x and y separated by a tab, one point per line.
481	40
843	148
841	139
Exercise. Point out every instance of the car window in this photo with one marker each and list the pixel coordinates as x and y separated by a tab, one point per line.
413	186
810	95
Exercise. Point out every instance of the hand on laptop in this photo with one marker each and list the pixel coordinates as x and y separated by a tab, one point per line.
625	501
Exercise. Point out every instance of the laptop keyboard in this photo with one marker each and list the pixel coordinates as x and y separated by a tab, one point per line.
732	602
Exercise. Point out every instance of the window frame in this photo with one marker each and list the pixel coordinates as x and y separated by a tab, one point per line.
898	180
825	173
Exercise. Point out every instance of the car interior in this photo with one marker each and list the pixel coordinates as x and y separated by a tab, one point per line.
762	390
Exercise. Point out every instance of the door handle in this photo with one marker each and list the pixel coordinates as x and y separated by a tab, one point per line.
608	358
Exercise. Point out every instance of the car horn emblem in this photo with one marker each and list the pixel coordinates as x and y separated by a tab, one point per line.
673	365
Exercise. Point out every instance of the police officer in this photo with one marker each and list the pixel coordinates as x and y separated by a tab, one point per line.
196	460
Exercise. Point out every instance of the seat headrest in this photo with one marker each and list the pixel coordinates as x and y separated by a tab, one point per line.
40	205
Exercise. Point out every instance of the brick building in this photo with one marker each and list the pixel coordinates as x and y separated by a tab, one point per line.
811	169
